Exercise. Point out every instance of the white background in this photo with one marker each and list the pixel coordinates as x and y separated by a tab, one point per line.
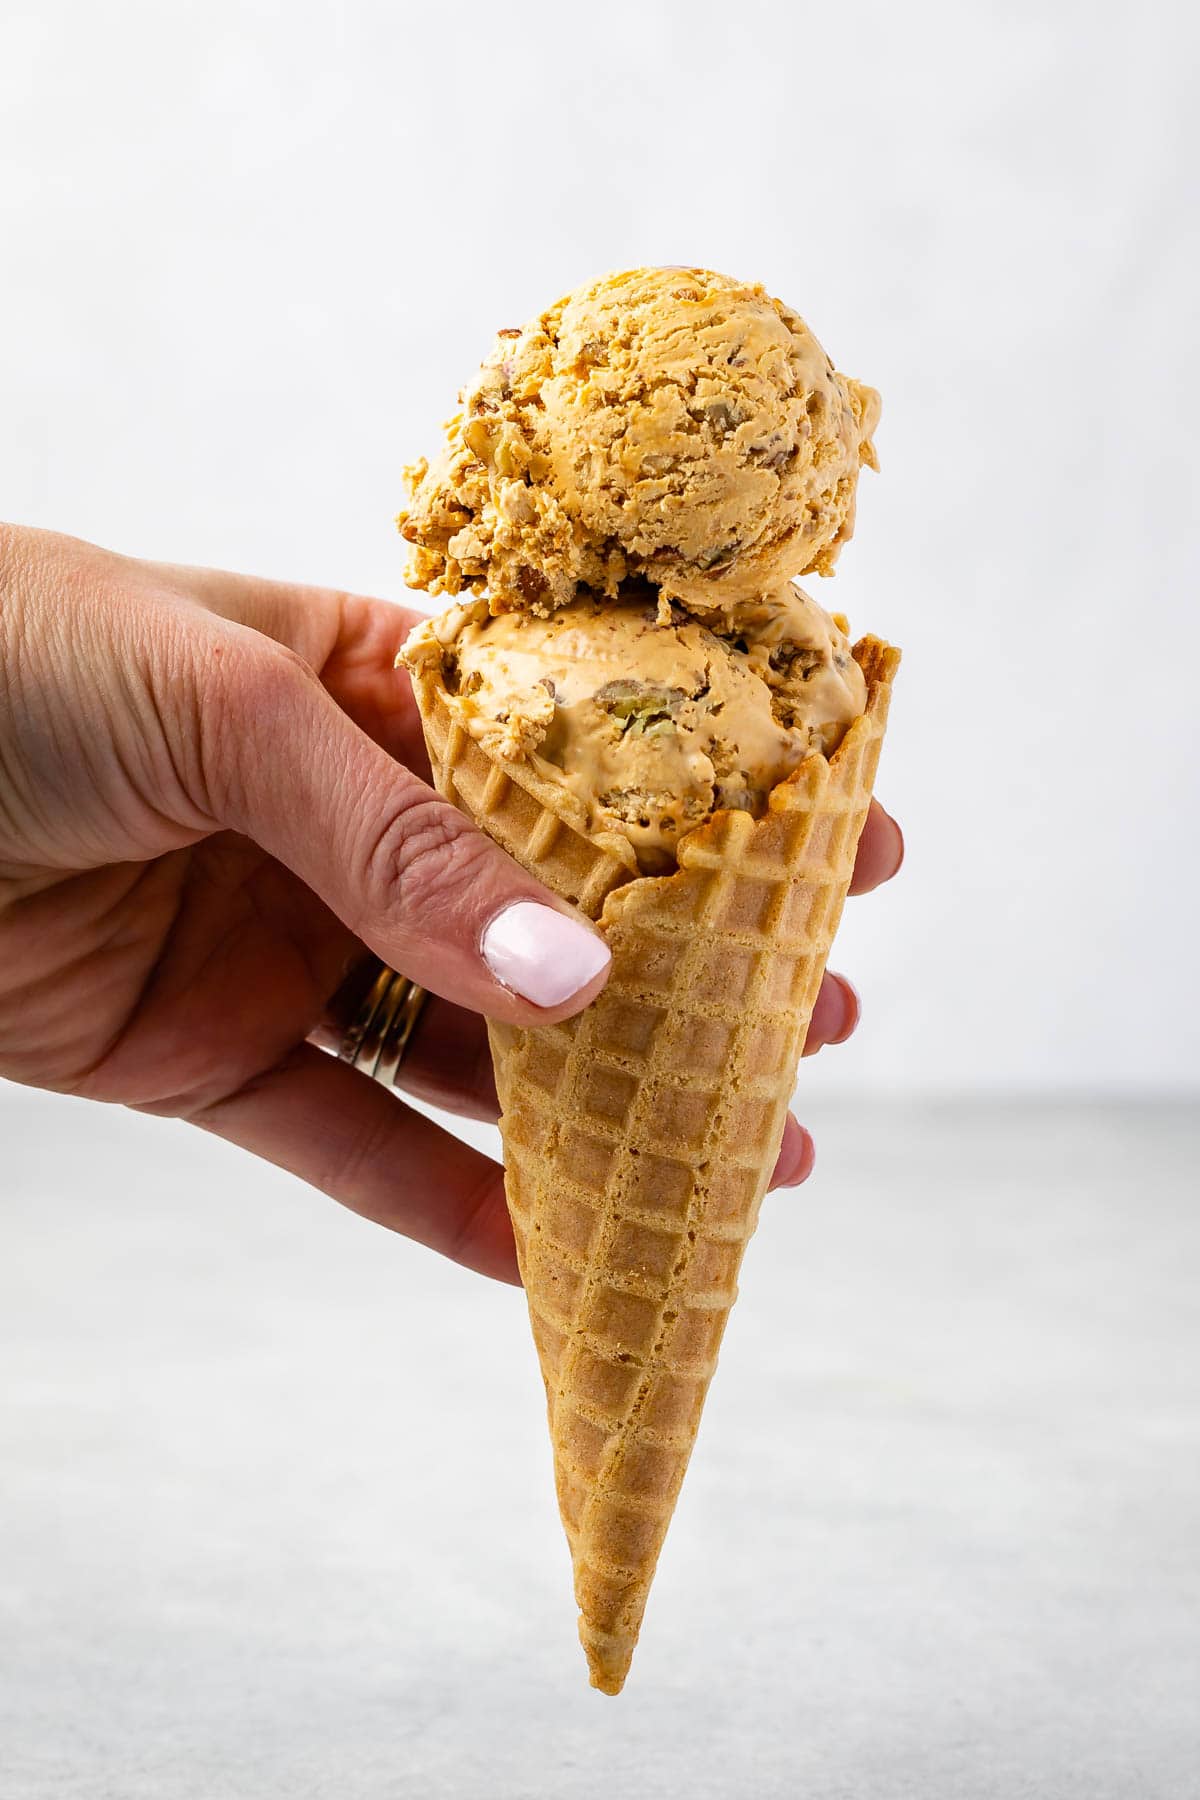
249	253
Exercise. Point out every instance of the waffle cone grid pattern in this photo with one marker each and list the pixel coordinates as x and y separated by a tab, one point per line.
640	1136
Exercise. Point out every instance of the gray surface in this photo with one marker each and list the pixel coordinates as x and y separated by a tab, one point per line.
276	1518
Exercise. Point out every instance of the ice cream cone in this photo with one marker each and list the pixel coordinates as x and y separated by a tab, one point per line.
640	1136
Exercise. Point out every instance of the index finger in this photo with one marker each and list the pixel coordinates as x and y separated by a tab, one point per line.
343	1133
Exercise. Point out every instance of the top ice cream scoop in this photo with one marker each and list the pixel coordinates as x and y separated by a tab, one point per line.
670	424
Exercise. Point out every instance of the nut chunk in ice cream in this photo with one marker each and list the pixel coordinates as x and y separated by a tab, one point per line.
671	424
654	726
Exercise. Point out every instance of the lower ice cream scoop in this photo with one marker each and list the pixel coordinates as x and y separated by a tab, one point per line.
654	724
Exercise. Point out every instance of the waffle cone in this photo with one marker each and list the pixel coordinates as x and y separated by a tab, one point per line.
639	1137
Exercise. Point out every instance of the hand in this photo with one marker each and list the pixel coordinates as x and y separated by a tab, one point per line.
211	805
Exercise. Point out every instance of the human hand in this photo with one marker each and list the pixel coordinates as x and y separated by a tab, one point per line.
211	807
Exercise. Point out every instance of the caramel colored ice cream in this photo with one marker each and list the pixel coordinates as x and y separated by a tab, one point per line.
631	484
653	724
670	424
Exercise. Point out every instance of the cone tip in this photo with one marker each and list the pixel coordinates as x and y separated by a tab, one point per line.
608	1664
607	1681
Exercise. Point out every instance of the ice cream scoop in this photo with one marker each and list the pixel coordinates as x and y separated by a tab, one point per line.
655	725
672	424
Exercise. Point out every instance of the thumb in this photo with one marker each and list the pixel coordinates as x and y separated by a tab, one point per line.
404	870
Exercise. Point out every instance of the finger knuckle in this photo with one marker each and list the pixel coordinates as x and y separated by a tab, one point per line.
265	677
427	857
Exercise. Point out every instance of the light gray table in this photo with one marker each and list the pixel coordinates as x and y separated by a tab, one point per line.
276	1514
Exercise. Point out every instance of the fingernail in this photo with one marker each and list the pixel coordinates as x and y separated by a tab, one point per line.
542	954
853	1008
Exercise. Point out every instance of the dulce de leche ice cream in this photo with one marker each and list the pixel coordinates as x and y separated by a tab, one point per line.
669	423
654	724
632	483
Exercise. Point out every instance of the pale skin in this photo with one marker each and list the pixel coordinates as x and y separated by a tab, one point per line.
213	805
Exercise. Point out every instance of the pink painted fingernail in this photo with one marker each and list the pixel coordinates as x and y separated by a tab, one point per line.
542	954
